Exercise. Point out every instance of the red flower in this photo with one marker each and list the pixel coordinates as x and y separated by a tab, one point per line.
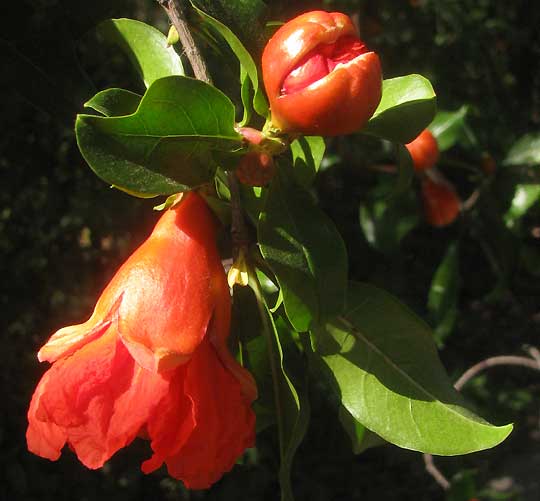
441	203
152	361
319	76
424	151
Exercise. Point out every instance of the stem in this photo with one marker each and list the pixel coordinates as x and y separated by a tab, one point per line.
239	232
492	362
532	362
175	12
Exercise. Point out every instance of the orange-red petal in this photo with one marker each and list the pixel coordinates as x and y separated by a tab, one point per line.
222	420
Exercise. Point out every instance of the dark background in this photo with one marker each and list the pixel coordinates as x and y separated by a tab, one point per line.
63	232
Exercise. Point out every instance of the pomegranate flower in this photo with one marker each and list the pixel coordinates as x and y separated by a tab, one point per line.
319	76
152	361
441	203
424	151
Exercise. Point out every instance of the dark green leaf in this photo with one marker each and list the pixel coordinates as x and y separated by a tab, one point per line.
166	145
386	220
246	62
449	127
405	170
307	152
383	363
114	102
526	151
444	294
244	17
145	46
304	250
407	107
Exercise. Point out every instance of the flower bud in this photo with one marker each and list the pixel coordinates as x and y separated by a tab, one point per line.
319	76
424	151
255	169
441	203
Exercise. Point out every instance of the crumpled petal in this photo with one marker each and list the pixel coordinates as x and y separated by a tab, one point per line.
97	400
223	424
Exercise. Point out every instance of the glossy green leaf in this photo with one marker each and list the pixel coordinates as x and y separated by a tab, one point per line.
304	250
114	102
525	196
260	104
385	369
165	146
526	151
407	107
444	294
307	153
449	127
145	46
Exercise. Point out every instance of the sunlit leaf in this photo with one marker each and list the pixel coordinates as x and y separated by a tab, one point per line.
407	107
307	152
114	102
384	366
449	127
145	46
166	146
526	151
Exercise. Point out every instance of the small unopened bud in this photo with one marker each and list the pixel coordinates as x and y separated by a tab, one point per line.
172	36
238	272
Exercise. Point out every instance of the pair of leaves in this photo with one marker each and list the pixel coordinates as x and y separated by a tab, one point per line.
166	145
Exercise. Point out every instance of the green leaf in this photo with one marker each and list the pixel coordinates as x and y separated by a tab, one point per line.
290	396
526	151
449	127
407	107
405	170
260	104
293	403
307	153
114	102
244	17
444	294
386	220
304	250
165	146
145	46
525	196
385	369
361	438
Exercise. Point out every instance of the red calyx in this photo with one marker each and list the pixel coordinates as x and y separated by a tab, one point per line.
321	61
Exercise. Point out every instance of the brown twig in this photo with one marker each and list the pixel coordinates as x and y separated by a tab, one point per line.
532	362
175	12
239	233
435	472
